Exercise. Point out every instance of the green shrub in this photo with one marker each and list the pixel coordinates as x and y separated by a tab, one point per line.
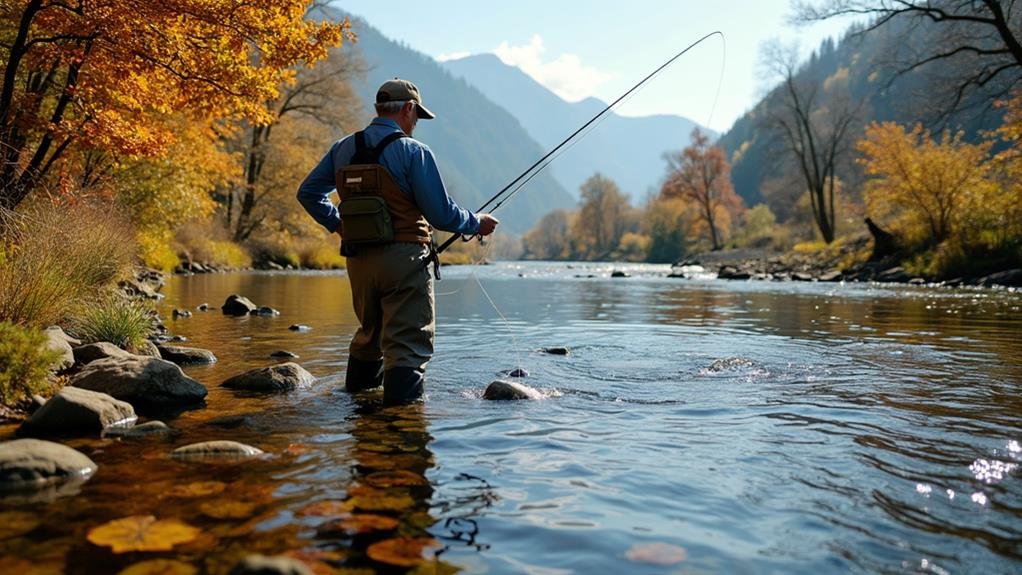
24	362
121	322
54	259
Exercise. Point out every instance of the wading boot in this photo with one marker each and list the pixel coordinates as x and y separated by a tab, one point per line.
402	385
363	375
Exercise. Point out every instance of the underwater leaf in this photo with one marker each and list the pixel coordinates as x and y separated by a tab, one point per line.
296	449
16	523
227	509
401	551
198	489
656	553
159	567
22	566
395	478
359	523
142	533
327	508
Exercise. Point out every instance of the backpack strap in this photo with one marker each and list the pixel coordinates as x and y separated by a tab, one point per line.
365	155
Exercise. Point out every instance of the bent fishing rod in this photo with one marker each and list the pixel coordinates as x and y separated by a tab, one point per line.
519	182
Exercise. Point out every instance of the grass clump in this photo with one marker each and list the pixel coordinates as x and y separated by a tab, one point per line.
25	362
55	259
124	323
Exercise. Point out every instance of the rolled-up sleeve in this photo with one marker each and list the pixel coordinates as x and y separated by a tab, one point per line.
440	210
314	193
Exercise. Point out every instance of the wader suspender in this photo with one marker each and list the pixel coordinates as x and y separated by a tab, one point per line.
363	155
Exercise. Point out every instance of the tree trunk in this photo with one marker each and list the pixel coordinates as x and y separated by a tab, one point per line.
884	243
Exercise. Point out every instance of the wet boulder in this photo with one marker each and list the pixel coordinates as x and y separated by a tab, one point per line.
181	313
283	354
556	350
90	352
265	311
75	410
516	372
501	390
1009	278
202	307
299	327
186	355
141	381
831	276
238	305
619	274
222	449
60	342
276	378
34	464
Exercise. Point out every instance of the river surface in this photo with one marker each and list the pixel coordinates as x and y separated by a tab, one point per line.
694	427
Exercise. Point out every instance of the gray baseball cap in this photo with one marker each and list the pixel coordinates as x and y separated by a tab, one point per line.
399	90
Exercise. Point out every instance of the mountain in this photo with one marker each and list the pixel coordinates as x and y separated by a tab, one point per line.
626	149
479	146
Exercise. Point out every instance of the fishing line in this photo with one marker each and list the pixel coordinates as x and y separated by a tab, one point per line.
517	184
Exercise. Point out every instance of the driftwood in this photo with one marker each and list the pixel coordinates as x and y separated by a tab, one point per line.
884	242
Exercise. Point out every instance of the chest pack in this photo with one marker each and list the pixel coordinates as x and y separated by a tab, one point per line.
363	187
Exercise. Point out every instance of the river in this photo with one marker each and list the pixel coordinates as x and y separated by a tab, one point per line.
695	426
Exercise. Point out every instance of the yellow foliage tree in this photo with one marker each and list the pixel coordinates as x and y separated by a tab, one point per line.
109	75
926	190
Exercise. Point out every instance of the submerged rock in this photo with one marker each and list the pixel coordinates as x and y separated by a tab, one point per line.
147	429
141	381
556	350
78	410
186	355
34	464
501	390
265	311
262	565
238	305
88	353
730	363
283	354
516	372
299	327
282	377
222	449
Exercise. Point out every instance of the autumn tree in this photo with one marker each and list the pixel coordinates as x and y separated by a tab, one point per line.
813	122
549	239
971	47
106	76
925	189
603	217
701	175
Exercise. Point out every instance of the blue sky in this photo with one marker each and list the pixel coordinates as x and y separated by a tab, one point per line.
602	47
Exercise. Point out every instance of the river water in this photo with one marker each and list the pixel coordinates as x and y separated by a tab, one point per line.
694	427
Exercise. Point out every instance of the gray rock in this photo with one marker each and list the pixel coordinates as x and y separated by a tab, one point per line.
60	342
299	327
36	401
283	354
179	338
141	381
222	449
238	305
895	274
516	372
181	313
917	281
831	276
78	410
556	350
202	307
282	377
1008	278
136	289
619	274
265	311
802	277
90	352
731	273
262	565
186	355
730	364
148	349
34	464
501	390
147	429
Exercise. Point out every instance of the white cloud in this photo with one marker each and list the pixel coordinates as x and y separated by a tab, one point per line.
452	56
565	74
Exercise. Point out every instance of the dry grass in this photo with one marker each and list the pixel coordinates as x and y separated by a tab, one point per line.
56	259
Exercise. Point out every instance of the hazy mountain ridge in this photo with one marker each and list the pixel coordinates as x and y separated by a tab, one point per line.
479	146
626	149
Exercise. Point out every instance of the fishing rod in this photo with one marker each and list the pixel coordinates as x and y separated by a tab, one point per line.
538	167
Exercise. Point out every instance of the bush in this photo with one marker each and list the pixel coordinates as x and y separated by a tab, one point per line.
205	242
121	322
156	250
321	256
55	259
24	362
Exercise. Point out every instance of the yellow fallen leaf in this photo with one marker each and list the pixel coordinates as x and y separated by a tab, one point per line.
401	551
198	489
142	533
656	553
328	508
359	523
226	509
395	478
159	567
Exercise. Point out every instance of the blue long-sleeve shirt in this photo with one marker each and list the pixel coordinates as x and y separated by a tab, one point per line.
410	163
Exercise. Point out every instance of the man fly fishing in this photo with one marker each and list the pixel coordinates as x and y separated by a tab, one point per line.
391	196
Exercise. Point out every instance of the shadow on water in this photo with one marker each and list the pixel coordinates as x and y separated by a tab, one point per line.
744	427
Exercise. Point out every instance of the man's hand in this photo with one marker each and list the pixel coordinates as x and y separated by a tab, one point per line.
487	224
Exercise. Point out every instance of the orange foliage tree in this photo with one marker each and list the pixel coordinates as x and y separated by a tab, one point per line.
700	175
107	75
927	189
